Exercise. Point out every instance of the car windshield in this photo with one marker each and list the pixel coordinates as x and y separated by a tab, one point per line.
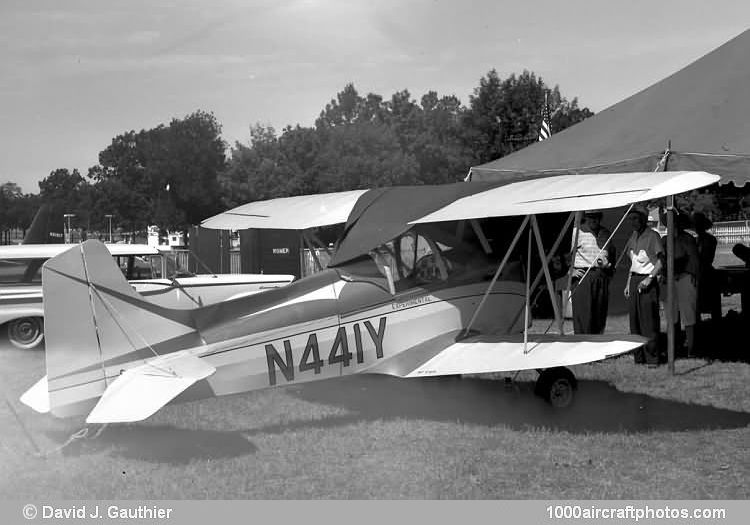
21	271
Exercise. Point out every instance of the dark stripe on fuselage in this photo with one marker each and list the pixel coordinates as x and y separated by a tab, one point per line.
179	316
436	300
241	306
222	320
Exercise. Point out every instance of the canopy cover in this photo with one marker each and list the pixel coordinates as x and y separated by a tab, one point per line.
703	111
384	213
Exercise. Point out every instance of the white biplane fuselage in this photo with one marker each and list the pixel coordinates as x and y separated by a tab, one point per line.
339	321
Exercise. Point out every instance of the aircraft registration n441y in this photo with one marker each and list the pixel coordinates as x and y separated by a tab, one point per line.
413	289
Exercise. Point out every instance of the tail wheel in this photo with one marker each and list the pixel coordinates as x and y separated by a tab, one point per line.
557	386
26	333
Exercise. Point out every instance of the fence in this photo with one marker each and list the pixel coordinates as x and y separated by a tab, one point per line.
730	232
234	262
12	236
309	266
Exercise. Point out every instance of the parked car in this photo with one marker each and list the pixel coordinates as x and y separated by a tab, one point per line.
150	270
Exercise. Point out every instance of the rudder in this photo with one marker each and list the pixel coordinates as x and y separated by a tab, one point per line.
96	325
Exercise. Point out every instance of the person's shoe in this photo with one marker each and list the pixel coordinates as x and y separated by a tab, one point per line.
652	365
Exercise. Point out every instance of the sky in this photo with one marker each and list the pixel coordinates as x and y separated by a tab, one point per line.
74	74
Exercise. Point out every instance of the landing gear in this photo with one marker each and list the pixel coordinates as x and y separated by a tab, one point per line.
556	386
26	333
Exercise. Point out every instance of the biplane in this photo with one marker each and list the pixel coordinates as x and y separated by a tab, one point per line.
413	289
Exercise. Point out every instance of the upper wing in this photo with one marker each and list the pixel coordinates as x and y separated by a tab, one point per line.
488	353
288	213
571	193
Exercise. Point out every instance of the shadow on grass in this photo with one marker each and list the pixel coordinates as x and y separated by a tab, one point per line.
598	406
161	444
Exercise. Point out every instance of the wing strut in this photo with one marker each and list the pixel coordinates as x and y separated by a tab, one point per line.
528	295
497	274
547	276
310	246
480	235
573	251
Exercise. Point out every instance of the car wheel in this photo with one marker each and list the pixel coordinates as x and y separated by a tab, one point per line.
26	333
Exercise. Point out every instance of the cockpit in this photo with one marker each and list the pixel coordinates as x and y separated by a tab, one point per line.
423	257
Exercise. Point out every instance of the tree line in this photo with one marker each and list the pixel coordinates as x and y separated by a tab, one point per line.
178	174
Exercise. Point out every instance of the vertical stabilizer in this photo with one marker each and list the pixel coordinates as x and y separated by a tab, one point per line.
96	325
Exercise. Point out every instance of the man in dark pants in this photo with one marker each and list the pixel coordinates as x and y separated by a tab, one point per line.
646	255
590	296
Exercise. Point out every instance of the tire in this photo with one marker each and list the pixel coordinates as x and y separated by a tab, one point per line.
26	333
557	386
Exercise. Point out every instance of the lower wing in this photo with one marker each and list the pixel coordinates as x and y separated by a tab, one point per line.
446	355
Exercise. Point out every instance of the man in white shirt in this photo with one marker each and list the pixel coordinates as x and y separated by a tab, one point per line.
646	254
592	271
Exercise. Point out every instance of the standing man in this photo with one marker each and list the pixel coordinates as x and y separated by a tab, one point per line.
709	296
590	294
646	253
686	269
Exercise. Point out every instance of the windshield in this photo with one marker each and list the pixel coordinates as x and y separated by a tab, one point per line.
427	255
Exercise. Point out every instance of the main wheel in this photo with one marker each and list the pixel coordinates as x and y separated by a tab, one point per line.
26	333
557	386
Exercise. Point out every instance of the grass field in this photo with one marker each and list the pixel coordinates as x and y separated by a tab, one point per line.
632	433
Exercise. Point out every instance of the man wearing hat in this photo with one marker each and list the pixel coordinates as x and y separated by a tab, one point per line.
709	296
646	254
592	270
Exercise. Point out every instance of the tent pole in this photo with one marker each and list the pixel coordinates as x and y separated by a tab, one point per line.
670	265
670	283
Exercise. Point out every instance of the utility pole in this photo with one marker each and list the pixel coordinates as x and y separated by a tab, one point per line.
109	219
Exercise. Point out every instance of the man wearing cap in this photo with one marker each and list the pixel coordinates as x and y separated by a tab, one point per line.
646	253
592	270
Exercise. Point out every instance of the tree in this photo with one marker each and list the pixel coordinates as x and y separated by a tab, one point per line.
66	191
168	174
364	155
505	115
16	208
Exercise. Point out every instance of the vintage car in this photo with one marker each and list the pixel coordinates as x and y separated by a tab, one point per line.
150	271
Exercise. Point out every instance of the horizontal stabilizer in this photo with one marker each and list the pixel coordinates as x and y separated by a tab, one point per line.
37	397
487	353
139	392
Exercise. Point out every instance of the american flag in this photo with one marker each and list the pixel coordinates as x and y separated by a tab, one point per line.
544	131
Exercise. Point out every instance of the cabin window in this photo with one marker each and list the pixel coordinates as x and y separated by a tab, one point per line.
413	260
138	267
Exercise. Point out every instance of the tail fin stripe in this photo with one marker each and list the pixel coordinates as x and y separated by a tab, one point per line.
178	316
120	321
91	291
